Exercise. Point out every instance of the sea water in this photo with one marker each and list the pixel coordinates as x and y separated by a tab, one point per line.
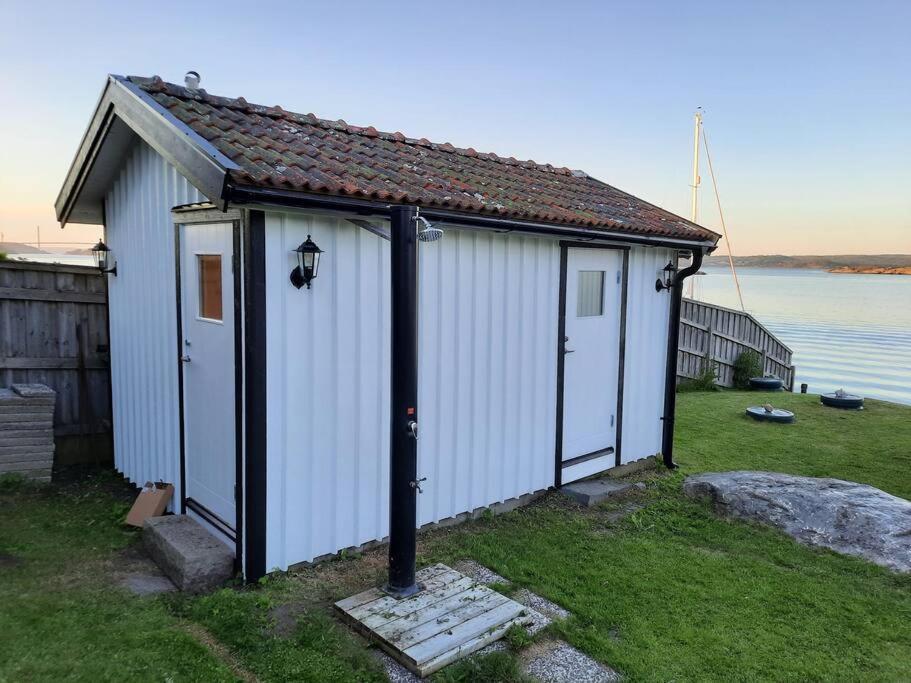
846	331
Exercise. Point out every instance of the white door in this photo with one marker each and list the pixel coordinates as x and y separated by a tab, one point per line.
207	310
591	361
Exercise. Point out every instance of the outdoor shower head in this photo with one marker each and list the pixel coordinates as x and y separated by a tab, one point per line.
429	233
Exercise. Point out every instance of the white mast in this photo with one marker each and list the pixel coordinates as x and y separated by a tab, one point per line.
697	125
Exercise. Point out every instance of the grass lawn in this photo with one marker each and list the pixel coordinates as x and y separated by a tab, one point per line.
872	445
659	588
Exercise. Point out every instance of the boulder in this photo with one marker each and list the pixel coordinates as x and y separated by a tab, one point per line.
849	518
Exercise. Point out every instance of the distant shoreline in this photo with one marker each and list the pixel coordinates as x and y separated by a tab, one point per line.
872	270
876	264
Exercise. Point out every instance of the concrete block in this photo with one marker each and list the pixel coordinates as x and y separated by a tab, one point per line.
34	391
28	438
11	462
17	423
25	466
190	556
594	491
27	430
25	452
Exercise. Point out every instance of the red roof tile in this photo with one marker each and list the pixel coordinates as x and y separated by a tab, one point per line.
280	149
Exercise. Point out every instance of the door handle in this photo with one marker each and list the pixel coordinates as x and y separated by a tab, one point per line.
184	359
569	350
566	350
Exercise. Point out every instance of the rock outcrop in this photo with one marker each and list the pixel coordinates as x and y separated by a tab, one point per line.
849	518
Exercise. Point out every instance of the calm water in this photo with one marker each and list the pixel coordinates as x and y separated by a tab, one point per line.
850	331
65	259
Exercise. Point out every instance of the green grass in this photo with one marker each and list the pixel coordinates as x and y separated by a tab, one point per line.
667	592
673	593
872	445
63	617
315	649
59	616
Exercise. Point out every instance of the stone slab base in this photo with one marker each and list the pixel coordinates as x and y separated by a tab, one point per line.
593	491
190	556
451	617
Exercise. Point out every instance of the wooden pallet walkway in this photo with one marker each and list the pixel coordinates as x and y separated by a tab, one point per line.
450	618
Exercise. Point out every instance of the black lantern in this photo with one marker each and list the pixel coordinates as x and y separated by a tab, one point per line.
668	271
103	258
307	263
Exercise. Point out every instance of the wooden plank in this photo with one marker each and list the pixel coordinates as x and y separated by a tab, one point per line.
27	294
446	621
389	605
67	363
425	600
732	332
89	271
457	613
391	628
373	594
82	429
457	638
39	343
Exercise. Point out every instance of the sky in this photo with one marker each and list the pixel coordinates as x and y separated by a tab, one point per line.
807	104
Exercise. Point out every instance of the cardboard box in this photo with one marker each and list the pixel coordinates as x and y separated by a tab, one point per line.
151	502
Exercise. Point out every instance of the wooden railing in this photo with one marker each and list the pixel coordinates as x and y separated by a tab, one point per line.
53	331
715	334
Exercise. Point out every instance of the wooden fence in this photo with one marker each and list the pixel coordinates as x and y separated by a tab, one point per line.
720	335
53	330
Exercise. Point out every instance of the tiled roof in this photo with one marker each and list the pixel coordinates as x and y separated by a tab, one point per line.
275	148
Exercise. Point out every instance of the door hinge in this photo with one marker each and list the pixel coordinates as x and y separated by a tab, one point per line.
618	277
612	420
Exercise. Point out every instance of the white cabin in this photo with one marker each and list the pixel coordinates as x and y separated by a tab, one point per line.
543	340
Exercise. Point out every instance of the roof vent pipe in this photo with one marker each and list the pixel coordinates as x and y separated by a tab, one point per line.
191	80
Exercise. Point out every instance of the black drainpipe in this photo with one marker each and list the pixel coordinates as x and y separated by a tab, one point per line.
670	374
403	455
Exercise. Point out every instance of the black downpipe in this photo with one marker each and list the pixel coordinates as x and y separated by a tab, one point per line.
403	424
673	341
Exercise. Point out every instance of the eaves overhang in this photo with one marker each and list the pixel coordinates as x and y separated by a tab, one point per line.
124	113
241	195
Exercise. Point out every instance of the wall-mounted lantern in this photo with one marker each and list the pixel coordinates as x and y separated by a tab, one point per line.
307	263
104	258
669	270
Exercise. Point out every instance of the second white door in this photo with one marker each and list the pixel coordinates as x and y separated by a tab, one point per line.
591	360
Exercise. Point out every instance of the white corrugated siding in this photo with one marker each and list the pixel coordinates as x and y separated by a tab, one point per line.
488	321
487	370
646	350
143	315
327	355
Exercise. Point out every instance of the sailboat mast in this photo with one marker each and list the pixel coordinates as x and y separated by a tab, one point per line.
697	123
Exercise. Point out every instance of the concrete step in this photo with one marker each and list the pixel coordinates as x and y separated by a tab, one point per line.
593	491
188	554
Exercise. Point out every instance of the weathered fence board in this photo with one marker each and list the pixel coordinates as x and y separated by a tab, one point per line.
53	331
720	335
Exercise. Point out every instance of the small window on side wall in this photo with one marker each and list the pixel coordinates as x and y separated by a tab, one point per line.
209	267
590	301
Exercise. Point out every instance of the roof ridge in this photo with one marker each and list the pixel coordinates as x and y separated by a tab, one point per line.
156	84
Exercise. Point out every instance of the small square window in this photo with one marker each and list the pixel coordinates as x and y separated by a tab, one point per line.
209	266
590	300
